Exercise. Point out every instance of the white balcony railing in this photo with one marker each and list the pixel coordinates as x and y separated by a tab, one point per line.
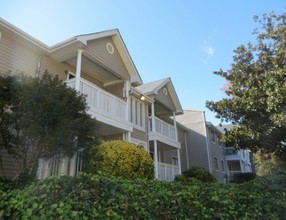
167	171
101	102
163	128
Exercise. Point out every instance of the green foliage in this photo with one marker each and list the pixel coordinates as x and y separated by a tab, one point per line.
200	174
243	177
94	197
256	100
120	159
42	118
187	180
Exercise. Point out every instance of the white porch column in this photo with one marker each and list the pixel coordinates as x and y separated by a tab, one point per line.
175	126
155	141
126	97
179	160
153	118
156	159
78	70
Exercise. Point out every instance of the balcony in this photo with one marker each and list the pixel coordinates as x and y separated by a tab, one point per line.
164	132
103	106
167	171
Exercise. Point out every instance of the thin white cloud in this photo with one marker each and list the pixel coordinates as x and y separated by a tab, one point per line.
209	50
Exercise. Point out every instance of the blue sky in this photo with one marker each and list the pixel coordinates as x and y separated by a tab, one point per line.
184	39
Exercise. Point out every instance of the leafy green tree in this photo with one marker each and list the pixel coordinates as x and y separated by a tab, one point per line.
256	95
40	118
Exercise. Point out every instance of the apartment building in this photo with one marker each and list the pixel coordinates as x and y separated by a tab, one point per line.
100	66
238	160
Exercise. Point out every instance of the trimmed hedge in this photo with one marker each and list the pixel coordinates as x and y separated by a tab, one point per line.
94	197
117	158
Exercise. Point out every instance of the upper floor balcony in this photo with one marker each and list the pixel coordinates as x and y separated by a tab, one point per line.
236	154
163	132
104	106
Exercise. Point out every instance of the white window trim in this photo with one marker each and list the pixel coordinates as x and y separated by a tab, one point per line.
140	115
216	165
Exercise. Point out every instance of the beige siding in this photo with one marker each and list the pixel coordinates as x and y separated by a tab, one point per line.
217	151
97	49
116	89
140	135
55	68
165	99
196	138
17	57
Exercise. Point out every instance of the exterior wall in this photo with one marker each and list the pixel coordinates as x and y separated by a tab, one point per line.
165	99
55	68
219	166
196	138
184	149
97	48
116	89
17	57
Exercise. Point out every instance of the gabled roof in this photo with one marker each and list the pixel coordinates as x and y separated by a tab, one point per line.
118	41
70	45
152	89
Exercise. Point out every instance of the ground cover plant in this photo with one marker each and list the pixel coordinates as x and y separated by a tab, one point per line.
95	197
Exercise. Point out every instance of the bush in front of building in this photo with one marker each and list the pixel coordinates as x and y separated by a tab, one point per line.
119	159
198	173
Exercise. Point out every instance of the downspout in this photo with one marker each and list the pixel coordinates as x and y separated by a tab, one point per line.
38	70
186	146
207	143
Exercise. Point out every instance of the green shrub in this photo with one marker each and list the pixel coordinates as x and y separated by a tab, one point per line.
120	159
96	197
199	173
243	177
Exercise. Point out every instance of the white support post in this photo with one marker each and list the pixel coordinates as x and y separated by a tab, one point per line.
155	141
175	126
126	97
179	160
78	69
156	159
153	117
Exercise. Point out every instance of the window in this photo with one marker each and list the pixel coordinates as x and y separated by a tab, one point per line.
222	166
137	113
213	136
219	144
175	161
215	163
